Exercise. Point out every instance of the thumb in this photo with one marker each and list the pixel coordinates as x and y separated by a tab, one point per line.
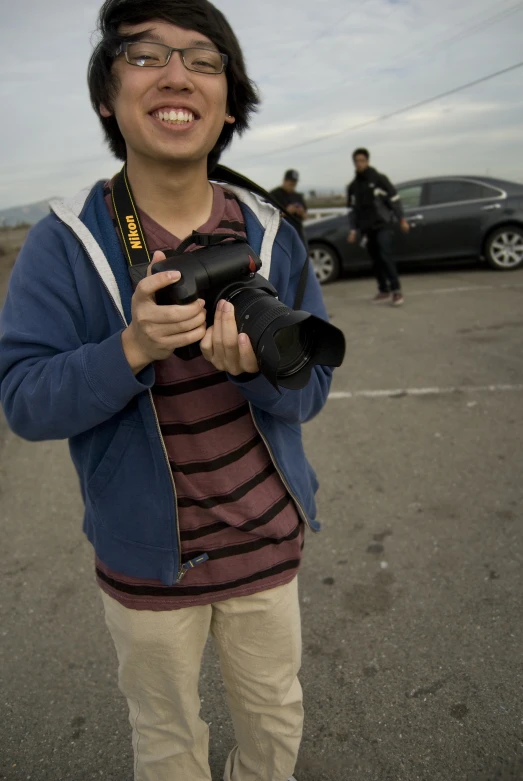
158	255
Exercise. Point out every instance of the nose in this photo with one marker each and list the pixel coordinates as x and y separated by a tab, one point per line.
175	75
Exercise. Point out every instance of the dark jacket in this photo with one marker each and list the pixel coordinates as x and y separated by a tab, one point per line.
373	201
64	375
284	199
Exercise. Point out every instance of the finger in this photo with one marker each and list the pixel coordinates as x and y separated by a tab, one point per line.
206	344
179	314
172	328
229	328
230	339
189	337
157	256
147	287
217	338
248	361
150	312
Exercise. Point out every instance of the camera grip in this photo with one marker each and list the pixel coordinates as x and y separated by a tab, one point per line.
189	352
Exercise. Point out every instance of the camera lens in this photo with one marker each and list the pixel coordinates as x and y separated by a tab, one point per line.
294	344
287	343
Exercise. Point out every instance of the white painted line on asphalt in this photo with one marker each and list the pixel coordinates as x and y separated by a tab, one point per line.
399	392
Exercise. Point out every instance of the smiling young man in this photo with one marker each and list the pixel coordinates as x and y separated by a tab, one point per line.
195	483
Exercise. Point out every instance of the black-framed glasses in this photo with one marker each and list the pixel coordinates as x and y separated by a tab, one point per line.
148	54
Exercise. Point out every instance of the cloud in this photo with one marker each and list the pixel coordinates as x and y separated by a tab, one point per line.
321	67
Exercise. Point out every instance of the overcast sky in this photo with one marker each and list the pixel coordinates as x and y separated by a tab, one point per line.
321	65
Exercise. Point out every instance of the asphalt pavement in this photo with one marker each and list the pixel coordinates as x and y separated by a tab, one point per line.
411	595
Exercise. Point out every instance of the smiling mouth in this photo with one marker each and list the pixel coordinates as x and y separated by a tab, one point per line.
174	117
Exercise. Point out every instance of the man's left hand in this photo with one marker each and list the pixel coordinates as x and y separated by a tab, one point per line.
405	227
227	350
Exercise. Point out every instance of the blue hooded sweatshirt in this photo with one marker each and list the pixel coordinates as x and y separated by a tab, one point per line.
64	375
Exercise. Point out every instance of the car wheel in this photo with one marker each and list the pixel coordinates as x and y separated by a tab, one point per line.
325	263
504	249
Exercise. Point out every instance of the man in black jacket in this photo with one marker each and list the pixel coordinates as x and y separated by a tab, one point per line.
375	207
293	202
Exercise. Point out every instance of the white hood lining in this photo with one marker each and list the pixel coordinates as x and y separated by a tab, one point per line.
269	218
67	212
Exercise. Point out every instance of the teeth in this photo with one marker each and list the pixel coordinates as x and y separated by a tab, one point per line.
175	116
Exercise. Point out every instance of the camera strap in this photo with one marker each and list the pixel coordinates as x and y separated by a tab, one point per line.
131	231
128	221
133	237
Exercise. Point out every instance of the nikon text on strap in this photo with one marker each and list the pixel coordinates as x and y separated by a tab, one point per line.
133	238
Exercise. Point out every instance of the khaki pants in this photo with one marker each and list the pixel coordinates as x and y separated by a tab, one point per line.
258	639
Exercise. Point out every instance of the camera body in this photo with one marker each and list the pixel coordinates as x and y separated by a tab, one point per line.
211	273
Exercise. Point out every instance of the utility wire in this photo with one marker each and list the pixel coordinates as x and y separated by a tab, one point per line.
317	38
444	44
395	113
475	27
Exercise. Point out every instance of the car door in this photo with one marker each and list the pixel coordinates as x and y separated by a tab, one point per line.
409	246
452	214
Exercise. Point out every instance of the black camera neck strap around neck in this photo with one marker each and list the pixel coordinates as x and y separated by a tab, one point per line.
133	236
129	223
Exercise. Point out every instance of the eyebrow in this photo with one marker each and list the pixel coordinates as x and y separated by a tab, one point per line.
150	35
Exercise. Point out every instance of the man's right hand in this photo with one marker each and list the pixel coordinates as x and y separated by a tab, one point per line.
352	237
156	331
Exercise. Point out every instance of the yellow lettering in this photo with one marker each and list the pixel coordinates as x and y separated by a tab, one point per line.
133	237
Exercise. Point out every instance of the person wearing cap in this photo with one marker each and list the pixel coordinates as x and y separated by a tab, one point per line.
292	202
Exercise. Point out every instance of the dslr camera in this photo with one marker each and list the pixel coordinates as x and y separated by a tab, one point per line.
287	343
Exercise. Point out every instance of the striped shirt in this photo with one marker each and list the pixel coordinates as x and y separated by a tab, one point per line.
232	503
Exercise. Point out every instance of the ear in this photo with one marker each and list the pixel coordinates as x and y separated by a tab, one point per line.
105	112
229	120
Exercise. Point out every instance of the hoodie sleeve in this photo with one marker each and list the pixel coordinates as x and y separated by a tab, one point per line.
53	383
392	196
293	406
351	203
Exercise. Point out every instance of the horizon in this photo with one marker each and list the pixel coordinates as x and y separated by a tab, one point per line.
358	77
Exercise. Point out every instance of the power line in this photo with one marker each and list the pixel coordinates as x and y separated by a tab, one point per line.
317	38
477	26
474	28
395	113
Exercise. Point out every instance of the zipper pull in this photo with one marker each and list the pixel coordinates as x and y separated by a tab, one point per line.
191	565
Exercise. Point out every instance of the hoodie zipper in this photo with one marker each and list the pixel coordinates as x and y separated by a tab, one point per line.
299	506
181	570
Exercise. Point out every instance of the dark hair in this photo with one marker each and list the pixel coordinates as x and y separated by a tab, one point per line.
361	151
198	15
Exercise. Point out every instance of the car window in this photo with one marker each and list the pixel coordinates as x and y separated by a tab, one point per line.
455	190
410	196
